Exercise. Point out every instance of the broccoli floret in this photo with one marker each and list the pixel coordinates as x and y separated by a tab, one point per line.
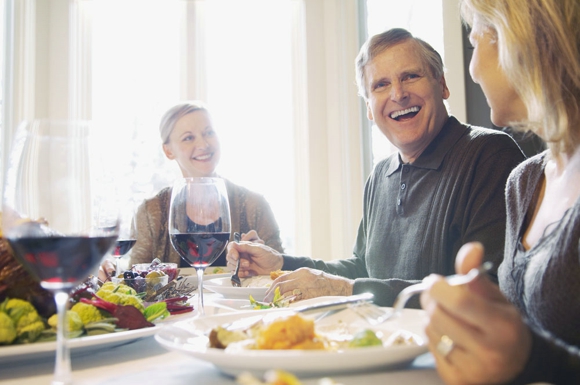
17	308
124	295
7	329
117	288
89	313
75	323
28	323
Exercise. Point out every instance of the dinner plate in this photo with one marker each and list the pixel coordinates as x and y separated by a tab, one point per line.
190	338
224	287
244	304
81	345
189	275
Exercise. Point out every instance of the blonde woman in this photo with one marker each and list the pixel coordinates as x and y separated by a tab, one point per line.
188	137
527	60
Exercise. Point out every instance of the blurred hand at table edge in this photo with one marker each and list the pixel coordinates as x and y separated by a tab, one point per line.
106	270
491	342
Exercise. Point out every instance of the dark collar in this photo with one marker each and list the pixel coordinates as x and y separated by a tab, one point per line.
433	155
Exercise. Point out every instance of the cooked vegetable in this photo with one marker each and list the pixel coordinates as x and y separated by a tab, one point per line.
157	310
7	329
128	317
75	324
365	338
120	294
277	301
28	323
89	313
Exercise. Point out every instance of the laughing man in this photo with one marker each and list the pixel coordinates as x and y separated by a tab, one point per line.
443	188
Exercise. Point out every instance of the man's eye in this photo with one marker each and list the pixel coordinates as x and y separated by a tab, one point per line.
379	85
410	77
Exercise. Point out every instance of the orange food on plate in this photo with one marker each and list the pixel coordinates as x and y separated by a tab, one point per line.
294	332
277	273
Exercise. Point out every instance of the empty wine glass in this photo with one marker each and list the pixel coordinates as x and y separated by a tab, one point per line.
53	215
199	223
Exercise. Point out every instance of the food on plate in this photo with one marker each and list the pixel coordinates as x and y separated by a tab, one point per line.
257	281
19	322
293	332
277	273
277	301
143	269
363	338
277	377
148	283
112	308
17	282
217	270
298	332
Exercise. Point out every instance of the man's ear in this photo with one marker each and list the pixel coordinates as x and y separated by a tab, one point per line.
444	89
168	152
369	112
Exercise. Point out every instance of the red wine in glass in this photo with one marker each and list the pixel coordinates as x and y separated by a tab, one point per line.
41	255
200	249
122	247
199	223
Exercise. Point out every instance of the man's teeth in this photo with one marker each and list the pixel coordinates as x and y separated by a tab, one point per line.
396	114
202	157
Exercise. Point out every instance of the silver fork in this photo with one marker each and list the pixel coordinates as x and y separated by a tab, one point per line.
236	282
376	315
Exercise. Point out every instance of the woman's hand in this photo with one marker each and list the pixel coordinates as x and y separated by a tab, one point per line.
310	283
257	258
490	341
106	270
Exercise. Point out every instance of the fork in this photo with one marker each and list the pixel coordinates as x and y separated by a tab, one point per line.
236	282
376	315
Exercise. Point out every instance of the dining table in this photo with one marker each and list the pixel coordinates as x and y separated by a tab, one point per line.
145	361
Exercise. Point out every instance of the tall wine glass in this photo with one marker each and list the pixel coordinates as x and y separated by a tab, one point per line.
56	214
199	223
127	238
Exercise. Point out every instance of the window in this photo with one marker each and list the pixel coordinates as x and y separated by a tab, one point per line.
138	72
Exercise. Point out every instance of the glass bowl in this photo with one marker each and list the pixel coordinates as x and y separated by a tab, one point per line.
171	269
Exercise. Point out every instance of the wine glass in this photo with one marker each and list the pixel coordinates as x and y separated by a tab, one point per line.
127	238
199	223
55	215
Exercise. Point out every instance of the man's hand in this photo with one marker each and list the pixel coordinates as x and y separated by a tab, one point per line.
257	258
310	283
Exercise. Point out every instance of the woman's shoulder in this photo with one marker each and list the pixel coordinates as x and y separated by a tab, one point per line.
158	201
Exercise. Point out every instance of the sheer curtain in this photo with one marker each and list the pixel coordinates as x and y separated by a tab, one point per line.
278	76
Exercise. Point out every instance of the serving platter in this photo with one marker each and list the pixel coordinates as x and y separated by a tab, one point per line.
190	338
77	346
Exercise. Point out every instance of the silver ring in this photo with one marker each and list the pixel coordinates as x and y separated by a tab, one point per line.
445	345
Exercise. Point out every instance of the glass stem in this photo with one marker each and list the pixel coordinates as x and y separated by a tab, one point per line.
62	370
200	291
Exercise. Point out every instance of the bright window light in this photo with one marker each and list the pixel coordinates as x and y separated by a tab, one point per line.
136	76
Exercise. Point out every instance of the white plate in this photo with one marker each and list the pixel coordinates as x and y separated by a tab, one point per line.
190	338
224	287
189	274
79	345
